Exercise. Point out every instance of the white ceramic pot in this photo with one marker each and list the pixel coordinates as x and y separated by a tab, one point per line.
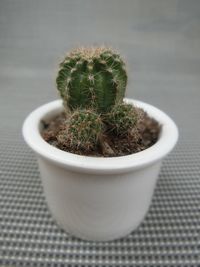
95	198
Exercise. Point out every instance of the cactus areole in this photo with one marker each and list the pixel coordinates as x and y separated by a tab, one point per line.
93	77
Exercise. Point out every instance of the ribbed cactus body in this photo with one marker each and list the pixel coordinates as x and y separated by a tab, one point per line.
92	78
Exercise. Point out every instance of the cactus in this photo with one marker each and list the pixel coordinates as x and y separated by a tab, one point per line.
122	118
92	78
83	130
92	82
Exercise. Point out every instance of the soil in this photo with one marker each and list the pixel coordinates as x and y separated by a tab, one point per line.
144	136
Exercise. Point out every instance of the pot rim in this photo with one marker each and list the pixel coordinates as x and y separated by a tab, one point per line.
108	165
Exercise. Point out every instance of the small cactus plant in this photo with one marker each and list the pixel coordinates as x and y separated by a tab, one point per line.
92	83
83	130
92	78
122	118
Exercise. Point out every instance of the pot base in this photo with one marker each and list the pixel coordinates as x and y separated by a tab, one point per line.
97	208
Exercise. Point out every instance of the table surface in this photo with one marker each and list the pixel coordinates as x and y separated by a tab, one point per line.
160	41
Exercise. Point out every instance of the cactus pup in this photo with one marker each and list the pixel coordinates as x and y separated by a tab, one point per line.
82	130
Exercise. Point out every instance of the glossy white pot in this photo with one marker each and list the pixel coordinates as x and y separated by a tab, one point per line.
95	198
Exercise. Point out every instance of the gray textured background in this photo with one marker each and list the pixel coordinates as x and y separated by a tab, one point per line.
161	42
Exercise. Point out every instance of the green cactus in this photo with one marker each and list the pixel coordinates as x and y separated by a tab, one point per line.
122	118
92	82
83	129
93	78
